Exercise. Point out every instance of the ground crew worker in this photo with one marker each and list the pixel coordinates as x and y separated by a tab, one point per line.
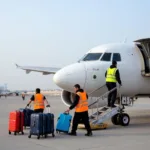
23	96
81	110
38	99
112	76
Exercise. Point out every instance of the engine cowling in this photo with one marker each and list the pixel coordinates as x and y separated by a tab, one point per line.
68	98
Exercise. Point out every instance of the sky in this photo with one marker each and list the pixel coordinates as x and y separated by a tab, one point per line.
56	33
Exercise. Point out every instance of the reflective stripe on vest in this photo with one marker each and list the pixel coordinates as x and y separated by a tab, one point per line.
83	102
38	101
111	75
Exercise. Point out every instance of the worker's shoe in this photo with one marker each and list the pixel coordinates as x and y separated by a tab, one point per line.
72	133
113	106
89	134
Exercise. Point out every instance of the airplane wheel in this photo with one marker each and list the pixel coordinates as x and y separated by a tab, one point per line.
124	119
115	119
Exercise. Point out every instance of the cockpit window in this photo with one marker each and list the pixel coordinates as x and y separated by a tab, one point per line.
106	57
116	57
92	57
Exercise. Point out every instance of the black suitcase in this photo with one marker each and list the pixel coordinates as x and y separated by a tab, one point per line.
27	115
49	123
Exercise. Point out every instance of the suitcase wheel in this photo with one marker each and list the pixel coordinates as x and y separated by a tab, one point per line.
9	132
53	134
22	132
38	137
45	135
29	136
57	132
15	133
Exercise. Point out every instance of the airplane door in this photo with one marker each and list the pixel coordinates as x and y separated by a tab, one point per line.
145	50
95	79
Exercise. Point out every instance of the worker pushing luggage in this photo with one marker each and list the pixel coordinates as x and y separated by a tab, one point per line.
81	110
38	100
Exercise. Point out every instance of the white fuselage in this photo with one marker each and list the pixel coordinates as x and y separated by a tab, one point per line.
91	74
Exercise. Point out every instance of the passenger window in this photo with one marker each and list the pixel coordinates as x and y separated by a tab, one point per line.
116	57
106	57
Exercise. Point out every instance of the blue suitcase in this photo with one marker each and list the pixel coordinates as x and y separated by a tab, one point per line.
63	123
38	125
27	115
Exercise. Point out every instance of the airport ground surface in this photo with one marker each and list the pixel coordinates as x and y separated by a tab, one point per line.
135	136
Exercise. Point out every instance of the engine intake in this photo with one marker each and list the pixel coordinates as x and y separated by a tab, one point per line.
67	97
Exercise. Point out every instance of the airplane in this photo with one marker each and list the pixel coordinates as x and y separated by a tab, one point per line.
133	62
5	92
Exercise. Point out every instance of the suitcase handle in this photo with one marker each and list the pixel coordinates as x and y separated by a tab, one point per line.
48	110
66	113
28	106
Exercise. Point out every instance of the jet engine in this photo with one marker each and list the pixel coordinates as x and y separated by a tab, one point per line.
67	97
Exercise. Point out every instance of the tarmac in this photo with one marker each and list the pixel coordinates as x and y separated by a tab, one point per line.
135	136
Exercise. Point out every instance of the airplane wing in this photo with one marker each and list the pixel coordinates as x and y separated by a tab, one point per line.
44	70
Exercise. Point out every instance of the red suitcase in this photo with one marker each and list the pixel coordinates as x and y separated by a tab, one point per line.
16	122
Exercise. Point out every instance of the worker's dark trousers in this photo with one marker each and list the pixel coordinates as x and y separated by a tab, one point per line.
85	119
38	110
112	95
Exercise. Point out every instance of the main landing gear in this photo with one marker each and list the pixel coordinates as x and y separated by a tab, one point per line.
122	118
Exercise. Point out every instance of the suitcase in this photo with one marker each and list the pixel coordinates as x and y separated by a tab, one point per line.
63	123
41	125
36	125
16	121
27	115
49	123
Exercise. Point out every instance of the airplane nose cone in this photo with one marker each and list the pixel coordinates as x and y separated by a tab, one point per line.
70	75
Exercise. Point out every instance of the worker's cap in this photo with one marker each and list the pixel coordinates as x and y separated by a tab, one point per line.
114	62
77	86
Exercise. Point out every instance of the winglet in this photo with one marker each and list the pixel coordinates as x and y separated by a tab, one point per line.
17	65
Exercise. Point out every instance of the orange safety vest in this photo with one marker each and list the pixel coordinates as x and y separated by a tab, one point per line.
38	101
83	102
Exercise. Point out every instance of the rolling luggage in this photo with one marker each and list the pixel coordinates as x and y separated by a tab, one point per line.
41	124
49	123
36	125
16	121
63	123
27	115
